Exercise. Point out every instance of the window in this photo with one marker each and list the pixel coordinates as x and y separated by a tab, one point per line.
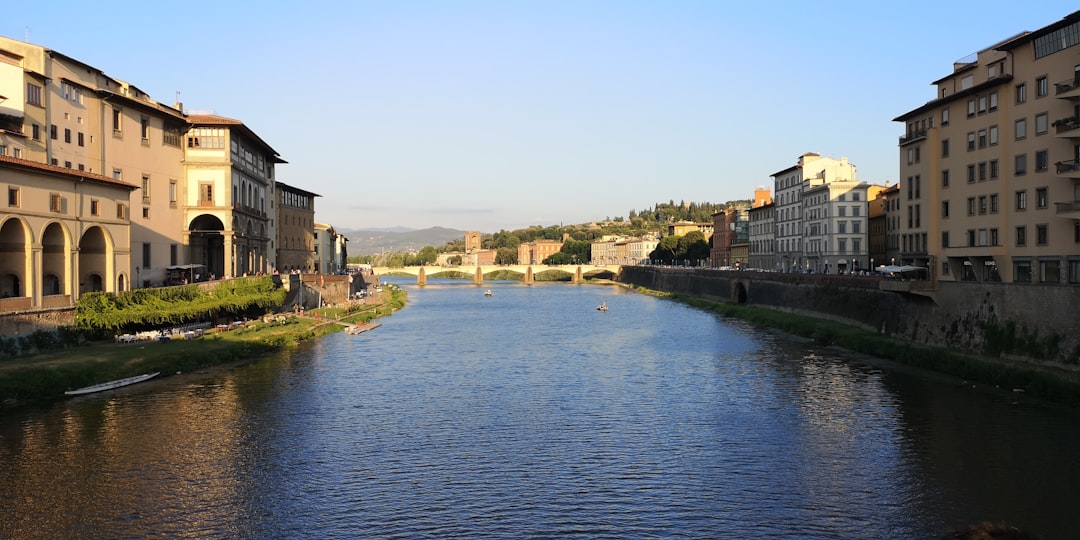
982	138
1041	234
856	227
145	188
856	245
841	227
854	211
144	129
1021	165
57	203
842	245
67	135
993	135
121	211
206	194
53	132
994	204
842	211
171	136
1041	125
1040	198
971	237
945	178
971	107
982	204
1021	200
945	209
146	212
971	174
33	94
172	193
993	237
945	148
982	104
971	206
13	197
944	239
971	141
35	132
945	116
71	92
117	124
1022	271
993	169
1021	93
993	101
82	139
1050	271
1042	161
146	255
94	207
1021	128
982	171
1041	87
1021	236
174	250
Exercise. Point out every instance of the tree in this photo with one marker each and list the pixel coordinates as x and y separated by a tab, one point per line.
559	258
693	246
667	249
506	255
427	255
579	251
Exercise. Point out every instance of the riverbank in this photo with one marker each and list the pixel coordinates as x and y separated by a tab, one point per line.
45	376
1034	381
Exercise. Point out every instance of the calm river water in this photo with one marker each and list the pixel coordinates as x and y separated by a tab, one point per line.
529	414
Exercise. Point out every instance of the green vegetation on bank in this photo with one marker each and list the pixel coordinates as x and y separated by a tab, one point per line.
45	376
1058	386
171	306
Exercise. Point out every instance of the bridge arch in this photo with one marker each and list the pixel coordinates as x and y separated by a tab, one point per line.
738	291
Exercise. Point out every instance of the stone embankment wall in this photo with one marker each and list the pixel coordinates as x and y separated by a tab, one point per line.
1030	322
24	323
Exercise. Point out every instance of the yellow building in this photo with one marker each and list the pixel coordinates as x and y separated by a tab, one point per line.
989	168
62	233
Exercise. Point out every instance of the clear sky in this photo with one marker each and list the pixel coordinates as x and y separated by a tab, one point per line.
492	115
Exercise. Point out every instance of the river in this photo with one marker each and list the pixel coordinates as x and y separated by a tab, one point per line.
530	414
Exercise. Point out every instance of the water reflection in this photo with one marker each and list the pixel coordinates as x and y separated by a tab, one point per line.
529	413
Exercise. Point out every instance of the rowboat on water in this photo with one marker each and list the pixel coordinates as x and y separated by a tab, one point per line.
112	384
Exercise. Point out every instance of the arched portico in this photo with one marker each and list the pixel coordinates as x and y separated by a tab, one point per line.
55	264
94	260
14	258
207	243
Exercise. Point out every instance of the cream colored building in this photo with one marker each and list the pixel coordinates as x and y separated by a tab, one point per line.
204	183
989	167
762	236
811	170
536	251
62	233
835	227
330	251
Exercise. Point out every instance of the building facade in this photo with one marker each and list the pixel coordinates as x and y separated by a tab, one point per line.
991	164
811	170
295	229
62	233
536	251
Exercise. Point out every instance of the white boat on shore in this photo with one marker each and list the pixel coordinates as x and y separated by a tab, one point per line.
112	384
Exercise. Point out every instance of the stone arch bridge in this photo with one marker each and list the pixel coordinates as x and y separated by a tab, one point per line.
578	271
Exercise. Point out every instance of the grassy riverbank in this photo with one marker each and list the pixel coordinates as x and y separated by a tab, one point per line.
1055	385
45	376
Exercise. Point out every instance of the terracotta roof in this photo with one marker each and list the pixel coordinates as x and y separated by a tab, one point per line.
71	173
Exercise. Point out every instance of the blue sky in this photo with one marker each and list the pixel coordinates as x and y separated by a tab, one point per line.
501	115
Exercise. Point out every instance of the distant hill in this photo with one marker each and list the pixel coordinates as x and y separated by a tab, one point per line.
375	241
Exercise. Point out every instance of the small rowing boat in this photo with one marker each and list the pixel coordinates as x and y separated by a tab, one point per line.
112	384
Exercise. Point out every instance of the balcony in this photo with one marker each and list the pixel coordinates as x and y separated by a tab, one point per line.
1069	89
1067	127
1069	209
1068	169
912	137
